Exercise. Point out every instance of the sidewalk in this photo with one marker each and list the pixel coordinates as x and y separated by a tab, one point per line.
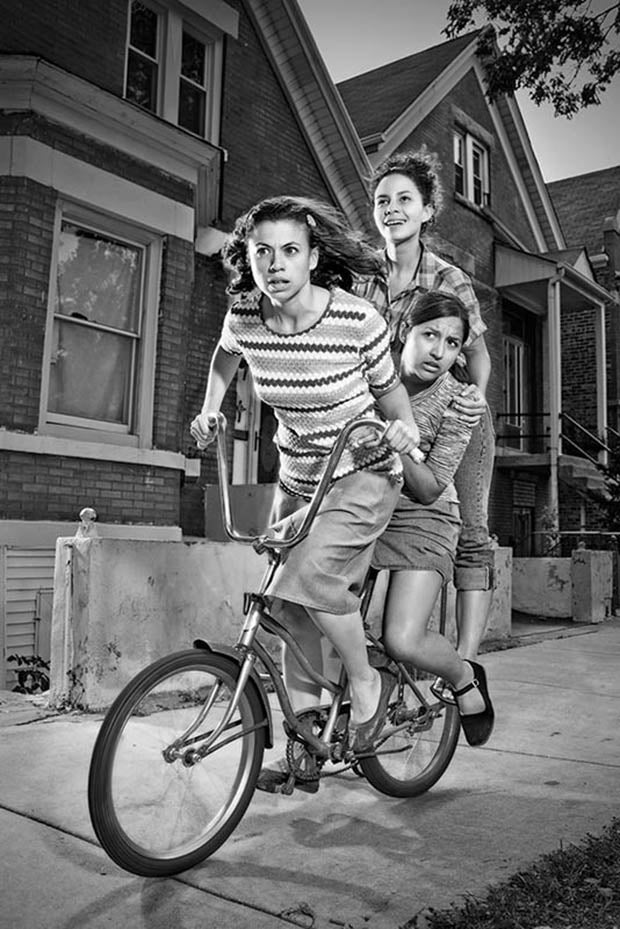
549	775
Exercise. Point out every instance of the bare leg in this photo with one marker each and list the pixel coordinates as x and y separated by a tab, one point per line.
410	600
346	633
472	611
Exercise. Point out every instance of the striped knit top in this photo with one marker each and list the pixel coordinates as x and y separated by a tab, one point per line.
317	381
444	436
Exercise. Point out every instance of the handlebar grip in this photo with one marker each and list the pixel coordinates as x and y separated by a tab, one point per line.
417	455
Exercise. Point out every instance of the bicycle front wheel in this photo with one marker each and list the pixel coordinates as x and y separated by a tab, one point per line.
416	755
157	806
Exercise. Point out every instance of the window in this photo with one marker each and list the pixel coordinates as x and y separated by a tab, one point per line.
471	169
514	400
100	345
174	67
192	85
143	57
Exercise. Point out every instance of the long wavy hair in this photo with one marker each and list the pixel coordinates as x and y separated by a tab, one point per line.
343	252
422	167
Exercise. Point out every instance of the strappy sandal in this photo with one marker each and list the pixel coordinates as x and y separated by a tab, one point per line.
477	726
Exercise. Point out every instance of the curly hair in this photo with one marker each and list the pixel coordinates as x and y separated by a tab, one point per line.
343	252
422	167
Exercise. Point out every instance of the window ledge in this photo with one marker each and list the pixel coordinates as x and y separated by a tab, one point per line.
98	451
480	211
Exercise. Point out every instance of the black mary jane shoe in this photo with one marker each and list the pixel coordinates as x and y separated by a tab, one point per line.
362	737
477	726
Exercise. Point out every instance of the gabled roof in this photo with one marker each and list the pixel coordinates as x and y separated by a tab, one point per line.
387	104
584	202
305	80
378	97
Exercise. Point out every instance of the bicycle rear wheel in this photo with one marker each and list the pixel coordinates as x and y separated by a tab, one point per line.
155	808
418	753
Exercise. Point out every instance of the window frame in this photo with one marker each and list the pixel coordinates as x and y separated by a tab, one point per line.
139	432
471	146
173	21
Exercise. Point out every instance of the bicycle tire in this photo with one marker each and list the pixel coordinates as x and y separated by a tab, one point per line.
156	816
418	755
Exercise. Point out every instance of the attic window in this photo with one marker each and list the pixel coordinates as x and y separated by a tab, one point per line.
471	169
174	62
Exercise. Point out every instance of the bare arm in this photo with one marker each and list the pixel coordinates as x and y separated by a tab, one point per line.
421	481
478	363
472	402
221	372
402	433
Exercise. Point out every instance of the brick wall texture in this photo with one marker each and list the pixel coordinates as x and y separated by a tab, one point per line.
267	154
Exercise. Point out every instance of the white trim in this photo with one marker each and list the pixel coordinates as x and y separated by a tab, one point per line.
517	177
541	187
425	103
98	451
21	156
322	115
215	12
28	83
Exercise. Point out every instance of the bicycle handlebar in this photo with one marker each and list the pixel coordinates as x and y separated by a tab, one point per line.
315	501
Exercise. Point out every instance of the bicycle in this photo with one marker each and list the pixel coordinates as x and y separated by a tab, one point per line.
178	754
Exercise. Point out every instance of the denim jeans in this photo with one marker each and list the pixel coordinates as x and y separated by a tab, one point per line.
474	555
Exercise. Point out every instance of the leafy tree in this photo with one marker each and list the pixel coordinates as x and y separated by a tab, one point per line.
562	51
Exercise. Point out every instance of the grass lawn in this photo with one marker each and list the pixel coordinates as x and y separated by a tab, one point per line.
577	887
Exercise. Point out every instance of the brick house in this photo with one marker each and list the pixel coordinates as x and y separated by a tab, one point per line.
131	136
588	207
499	224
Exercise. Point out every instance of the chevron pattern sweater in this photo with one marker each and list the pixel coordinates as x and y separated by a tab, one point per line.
317	381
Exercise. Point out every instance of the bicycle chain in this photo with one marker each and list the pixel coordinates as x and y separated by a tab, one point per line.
301	762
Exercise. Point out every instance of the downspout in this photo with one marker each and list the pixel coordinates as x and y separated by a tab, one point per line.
601	380
555	390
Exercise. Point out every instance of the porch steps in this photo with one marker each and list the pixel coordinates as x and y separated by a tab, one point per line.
583	475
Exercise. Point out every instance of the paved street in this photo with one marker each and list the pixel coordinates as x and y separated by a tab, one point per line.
549	775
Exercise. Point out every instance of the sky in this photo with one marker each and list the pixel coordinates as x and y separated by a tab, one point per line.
355	36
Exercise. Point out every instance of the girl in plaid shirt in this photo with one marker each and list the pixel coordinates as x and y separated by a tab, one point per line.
407	196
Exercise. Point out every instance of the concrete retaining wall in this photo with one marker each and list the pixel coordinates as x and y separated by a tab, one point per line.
119	604
578	588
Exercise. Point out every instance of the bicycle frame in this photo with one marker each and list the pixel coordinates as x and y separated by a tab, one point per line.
256	614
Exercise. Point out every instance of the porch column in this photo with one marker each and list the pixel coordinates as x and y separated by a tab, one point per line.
555	388
601	378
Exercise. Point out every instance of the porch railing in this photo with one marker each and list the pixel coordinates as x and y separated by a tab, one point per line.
530	433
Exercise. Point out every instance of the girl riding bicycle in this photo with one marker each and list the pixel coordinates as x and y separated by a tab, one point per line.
320	357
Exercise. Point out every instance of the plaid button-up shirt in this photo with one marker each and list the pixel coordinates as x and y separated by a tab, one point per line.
433	273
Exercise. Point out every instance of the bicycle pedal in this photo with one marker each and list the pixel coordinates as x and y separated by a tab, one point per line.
288	786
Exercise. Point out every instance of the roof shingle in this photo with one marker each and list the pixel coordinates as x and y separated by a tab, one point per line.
378	97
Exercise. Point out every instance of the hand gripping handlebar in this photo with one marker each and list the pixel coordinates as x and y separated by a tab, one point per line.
264	541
